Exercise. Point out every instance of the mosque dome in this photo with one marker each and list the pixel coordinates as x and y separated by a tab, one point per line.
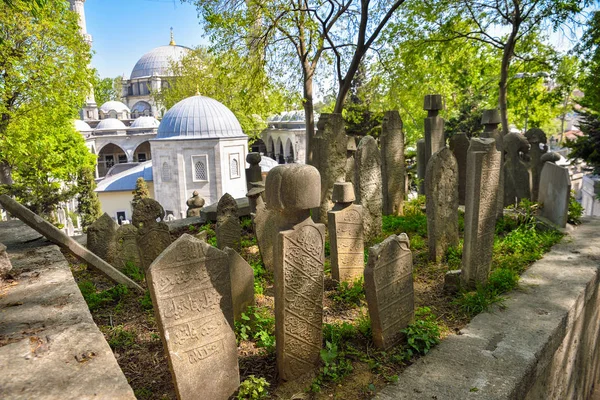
110	124
145	122
113	105
157	61
82	126
199	117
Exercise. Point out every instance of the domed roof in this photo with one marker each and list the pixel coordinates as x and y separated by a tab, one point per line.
110	124
113	105
199	117
82	126
157	61
145	122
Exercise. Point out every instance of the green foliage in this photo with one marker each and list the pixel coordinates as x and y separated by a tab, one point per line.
133	271
253	388
454	256
339	332
260	276
246	224
104	89
96	300
88	204
363	325
477	301
423	333
211	236
575	210
146	301
335	366
257	324
350	294
409	223
140	192
119	338
502	280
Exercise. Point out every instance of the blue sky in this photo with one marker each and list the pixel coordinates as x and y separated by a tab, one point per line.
123	31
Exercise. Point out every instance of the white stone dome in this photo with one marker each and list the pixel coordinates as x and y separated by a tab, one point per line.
110	124
82	126
113	105
145	122
199	117
157	61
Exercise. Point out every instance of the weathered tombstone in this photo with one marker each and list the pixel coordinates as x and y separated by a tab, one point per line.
101	238
389	289
242	283
153	233
434	125
253	176
228	227
392	163
350	163
195	204
516	173
537	139
5	264
202	235
346	234
266	228
483	177
549	157
191	291
459	144
368	186
257	189
421	165
441	194
490	121
126	248
554	192
292	190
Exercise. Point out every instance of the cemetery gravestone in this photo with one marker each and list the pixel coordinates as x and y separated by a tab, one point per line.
191	291
421	165
101	238
350	151
242	283
346	234
389	289
441	194
392	163
434	125
153	233
554	192
228	227
536	137
5	264
368	186
253	177
549	157
490	121
195	204
516	173
126	248
459	144
266	229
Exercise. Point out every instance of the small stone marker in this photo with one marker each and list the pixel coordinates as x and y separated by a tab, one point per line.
434	125
153	233
126	248
441	194
536	137
195	204
393	170
253	177
191	291
101	238
483	176
389	289
5	264
549	157
421	164
554	192
459	144
350	163
516	173
242	283
346	234
228	228
490	121
368	186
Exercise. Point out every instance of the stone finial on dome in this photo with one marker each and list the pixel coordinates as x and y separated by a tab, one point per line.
172	42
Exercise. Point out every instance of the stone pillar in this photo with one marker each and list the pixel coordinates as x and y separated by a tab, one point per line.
153	234
537	139
101	238
350	159
393	170
242	281
421	165
389	290
253	176
490	121
346	234
554	193
483	177
441	193
434	125
368	186
516	173
292	190
195	204
228	229
459	144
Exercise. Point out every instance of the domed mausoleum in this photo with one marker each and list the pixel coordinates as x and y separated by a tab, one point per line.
200	146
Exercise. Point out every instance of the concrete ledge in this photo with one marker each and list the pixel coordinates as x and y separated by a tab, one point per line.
544	345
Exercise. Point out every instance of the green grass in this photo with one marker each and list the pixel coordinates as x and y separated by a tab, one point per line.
423	333
349	294
258	325
133	271
97	299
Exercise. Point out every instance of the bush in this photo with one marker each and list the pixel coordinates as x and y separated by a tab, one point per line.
423	333
350	294
253	388
575	210
258	325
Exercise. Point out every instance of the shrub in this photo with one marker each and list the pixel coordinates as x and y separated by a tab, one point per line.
258	325
253	388
350	294
575	210
423	333
133	271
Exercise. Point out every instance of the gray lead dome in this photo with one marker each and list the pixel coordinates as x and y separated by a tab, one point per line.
157	61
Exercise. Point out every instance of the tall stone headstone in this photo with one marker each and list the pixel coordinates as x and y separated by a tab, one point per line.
256	191
253	175
195	204
153	233
516	173
242	283
393	170
191	291
441	194
434	125
421	165
126	247
228	229
554	193
266	228
101	238
368	186
537	140
491	121
346	234
350	160
459	144
483	177
389	289
292	190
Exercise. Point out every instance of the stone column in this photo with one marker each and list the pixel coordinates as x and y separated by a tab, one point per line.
536	137
483	177
253	176
368	186
346	234
516	174
441	193
490	121
228	229
350	159
434	125
393	170
421	165
459	144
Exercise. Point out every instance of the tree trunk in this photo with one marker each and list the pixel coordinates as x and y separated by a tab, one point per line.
5	173
507	55
309	114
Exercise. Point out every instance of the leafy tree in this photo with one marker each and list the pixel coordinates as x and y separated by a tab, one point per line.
359	115
141	192
104	89
88	204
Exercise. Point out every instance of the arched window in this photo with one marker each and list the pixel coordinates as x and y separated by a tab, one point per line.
200	171
166	172
234	168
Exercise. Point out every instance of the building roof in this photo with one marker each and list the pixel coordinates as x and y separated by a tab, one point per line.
199	117
110	124
114	105
145	122
157	61
82	126
125	181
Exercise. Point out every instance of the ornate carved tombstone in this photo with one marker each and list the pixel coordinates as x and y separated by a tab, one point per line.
242	283
195	204
228	228
389	289
537	139
491	121
346	234
441	193
190	288
368	186
516	173
392	163
101	238
153	233
126	247
434	125
459	144
554	192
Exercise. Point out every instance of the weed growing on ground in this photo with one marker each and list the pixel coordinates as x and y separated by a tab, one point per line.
335	366
260	276
211	236
350	294
133	271
454	256
95	299
246	224
363	325
146	301
253	388
119	338
338	332
575	210
257	324
423	333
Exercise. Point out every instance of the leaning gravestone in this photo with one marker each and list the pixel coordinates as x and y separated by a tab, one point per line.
228	230
242	283
292	190
346	234
441	194
516	173
434	125
153	233
491	121
389	289
554	192
459	144
101	238
368	186
392	163
126	248
421	165
483	177
191	291
536	137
